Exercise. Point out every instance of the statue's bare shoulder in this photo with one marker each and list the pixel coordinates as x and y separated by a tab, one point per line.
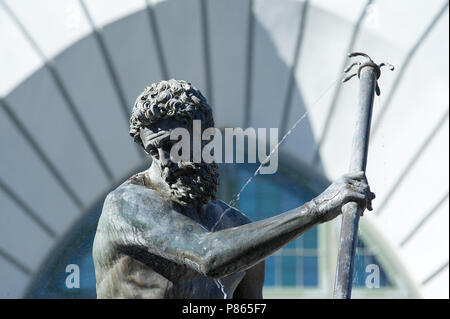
133	202
133	191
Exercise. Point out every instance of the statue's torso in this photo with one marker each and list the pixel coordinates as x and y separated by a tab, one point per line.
132	274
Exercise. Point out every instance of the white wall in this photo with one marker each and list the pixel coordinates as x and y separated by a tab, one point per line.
408	154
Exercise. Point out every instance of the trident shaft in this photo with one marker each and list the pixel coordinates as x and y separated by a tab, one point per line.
368	72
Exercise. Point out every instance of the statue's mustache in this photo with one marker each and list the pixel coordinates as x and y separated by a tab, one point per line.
171	171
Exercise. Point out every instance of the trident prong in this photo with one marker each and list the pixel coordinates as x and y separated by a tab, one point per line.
390	66
369	62
351	66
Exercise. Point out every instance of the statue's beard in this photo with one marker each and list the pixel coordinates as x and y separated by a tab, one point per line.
191	184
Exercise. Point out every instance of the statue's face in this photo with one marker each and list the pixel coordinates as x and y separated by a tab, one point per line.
190	183
156	139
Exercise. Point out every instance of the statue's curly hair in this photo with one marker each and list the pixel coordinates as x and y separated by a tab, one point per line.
176	99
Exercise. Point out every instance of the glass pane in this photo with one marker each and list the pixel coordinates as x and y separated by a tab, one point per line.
310	239
270	271
289	271
310	271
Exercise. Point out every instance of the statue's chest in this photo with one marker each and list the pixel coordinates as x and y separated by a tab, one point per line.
213	218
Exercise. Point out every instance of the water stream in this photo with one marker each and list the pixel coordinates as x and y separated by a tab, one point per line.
221	287
236	198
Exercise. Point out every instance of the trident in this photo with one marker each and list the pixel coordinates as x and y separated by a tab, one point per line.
368	72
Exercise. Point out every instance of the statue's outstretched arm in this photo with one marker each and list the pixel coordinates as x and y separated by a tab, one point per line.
148	222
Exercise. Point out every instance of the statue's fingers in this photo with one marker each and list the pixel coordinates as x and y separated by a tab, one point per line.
155	135
162	132
355	194
163	136
369	205
361	184
369	200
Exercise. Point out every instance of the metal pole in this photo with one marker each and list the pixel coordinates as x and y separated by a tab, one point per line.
368	73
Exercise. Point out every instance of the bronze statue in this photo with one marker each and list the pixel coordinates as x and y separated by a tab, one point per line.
162	233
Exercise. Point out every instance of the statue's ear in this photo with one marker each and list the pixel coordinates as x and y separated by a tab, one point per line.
143	135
